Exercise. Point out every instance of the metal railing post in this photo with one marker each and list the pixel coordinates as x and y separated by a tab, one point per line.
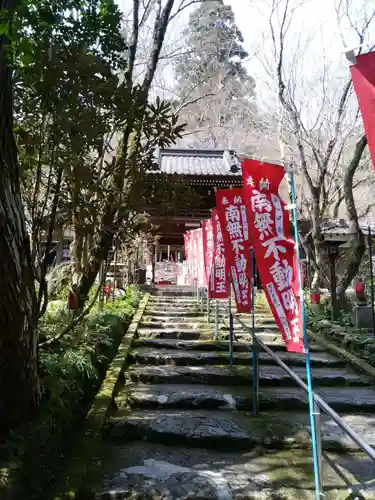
318	441
216	320
321	404
230	328
208	308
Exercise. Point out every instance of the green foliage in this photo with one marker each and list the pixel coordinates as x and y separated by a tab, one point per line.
216	45
71	374
343	333
211	75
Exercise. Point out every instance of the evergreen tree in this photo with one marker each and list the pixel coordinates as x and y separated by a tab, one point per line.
212	77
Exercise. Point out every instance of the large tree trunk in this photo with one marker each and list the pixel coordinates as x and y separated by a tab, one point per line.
19	387
357	239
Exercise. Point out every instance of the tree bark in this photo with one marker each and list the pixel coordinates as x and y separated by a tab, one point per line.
357	239
19	385
126	165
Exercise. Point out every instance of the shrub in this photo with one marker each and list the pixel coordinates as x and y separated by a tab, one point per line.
71	373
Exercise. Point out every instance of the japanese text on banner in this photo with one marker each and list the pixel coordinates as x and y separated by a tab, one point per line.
233	217
274	249
218	283
208	249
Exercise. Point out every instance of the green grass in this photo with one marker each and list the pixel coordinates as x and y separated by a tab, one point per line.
71	373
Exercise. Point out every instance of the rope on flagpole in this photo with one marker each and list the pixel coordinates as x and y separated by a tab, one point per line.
314	418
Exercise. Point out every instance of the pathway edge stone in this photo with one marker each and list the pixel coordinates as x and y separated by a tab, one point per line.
91	432
356	362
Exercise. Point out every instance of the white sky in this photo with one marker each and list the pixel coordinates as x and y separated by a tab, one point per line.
314	19
314	32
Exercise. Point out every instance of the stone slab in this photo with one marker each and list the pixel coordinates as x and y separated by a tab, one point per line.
200	333
185	396
276	343
154	356
175	311
221	375
231	431
141	469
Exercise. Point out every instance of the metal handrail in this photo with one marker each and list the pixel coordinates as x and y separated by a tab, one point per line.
318	400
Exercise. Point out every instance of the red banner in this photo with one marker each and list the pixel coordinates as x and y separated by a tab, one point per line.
363	76
189	255
274	249
208	250
187	238
218	285
200	257
232	213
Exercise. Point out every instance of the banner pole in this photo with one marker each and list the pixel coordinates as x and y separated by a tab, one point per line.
230	325
313	419
208	307
254	343
370	249
216	319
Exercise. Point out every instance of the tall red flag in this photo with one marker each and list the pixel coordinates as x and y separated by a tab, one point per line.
231	209
274	249
199	256
218	287
363	76
208	249
189	255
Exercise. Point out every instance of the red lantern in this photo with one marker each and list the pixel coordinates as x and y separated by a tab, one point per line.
360	291
72	301
315	297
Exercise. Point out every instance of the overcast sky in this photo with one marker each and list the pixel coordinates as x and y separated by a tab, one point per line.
314	27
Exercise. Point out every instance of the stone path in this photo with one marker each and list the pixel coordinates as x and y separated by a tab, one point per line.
182	428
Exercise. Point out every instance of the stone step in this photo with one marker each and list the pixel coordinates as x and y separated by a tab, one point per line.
198	397
215	345
174	301
196	324
239	375
150	356
207	334
142	470
223	430
174	312
153	318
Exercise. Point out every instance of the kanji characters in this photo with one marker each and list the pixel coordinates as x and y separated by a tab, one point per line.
289	301
235	230
237	200
260	202
220	273
295	329
264	184
232	213
273	247
241	263
282	274
264	223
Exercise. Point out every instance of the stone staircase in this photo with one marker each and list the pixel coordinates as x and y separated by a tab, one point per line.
183	429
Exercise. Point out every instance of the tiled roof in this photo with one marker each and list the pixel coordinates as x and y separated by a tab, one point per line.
341	227
206	162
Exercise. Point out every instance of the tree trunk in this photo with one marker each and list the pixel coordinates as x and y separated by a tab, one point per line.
357	240
102	244
19	386
317	239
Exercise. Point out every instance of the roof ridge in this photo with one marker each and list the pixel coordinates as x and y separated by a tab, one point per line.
217	153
